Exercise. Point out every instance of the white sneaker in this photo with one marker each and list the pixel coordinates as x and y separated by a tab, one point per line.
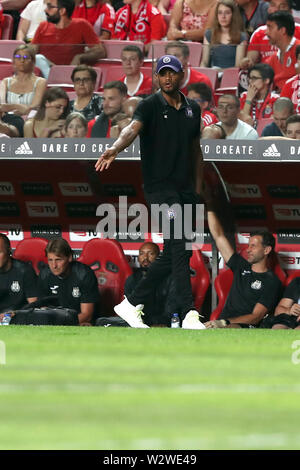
131	314
191	321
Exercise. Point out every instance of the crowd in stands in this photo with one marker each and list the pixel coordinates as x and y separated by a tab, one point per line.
256	40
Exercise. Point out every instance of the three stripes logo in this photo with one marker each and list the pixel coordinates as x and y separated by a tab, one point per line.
272	151
24	149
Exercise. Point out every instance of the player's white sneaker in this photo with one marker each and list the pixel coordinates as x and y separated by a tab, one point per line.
131	314
191	321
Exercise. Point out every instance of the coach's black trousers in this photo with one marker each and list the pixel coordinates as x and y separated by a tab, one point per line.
176	253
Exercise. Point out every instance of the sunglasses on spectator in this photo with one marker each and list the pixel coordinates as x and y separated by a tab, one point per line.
25	57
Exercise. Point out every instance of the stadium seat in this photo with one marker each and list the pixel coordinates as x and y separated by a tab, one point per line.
262	123
115	72
109	263
157	49
60	75
114	47
212	74
229	81
32	250
7	29
222	285
7	47
291	276
200	278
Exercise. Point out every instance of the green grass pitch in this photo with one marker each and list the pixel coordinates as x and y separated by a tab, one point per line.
121	388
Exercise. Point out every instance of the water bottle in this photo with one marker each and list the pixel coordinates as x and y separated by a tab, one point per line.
175	321
6	319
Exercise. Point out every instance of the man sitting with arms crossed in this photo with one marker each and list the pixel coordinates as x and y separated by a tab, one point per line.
255	289
73	283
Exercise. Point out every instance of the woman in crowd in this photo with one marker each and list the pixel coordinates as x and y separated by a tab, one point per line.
225	43
50	118
86	102
75	126
100	14
190	18
24	90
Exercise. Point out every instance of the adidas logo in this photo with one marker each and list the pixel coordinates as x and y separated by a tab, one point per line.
272	151
24	149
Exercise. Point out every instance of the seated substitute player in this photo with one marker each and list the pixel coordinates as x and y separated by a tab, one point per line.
255	289
71	282
159	307
287	313
17	280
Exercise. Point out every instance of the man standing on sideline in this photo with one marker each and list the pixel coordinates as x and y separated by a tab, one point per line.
168	124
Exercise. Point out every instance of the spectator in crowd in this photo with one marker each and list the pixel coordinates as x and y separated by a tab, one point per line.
63	40
293	127
287	312
257	103
225	43
259	47
129	105
254	13
291	89
11	125
24	90
100	14
158	308
282	109
73	283
202	94
13	8
75	126
164	6
18	280
255	289
138	20
50	118
280	31
190	18
86	102
114	96
182	52
228	110
30	18
137	83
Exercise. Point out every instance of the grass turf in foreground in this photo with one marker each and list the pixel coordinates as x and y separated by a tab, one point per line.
123	388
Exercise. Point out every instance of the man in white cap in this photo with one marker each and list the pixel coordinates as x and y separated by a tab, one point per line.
168	124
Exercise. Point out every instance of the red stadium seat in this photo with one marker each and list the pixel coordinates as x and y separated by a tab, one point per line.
200	278
109	263
60	75
32	250
7	47
114	47
115	72
223	283
7	29
291	276
229	81
212	74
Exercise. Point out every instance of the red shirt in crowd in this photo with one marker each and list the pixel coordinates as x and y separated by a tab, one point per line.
194	76
101	16
291	90
61	45
208	118
286	69
144	86
146	25
261	108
